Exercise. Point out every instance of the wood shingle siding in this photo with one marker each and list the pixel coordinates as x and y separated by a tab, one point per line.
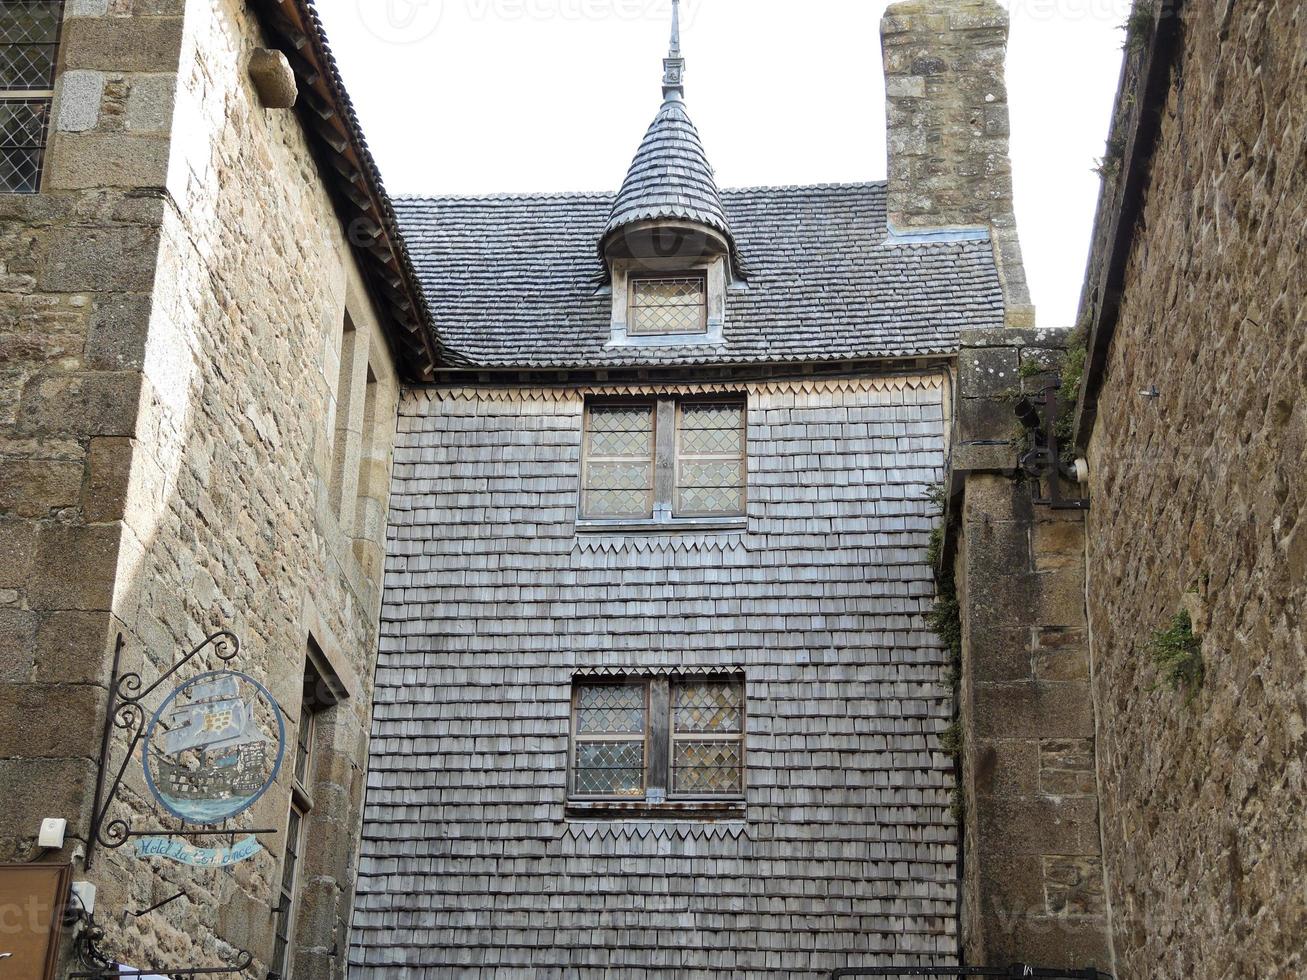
494	603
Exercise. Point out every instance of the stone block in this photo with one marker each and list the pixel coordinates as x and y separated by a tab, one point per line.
995	498
984	459
1006	767
1055	941
273	79
1040	826
102	403
116	338
999	654
80	161
123	44
1066	767
150	103
109	465
17	635
75	567
50	721
987	372
37	787
73	648
1073	885
986	419
78	95
1060	654
1061	597
85	8
1058	545
37	487
1033	710
1010	884
99	259
18	539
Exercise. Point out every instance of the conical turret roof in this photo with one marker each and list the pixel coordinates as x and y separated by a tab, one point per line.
671	178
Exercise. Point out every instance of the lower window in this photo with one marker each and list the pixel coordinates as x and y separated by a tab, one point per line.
673	742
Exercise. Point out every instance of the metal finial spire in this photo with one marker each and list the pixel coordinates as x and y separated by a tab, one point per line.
674	64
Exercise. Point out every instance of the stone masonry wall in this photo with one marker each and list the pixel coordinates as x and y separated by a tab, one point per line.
946	109
77	266
1200	491
1033	875
175	344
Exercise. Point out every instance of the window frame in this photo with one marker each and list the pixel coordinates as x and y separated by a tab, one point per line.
577	737
660	741
43	97
651	496
663	512
635	278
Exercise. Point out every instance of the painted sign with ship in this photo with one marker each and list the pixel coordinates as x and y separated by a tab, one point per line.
214	747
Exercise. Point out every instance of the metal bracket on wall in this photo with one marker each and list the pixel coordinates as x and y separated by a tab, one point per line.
100	967
1039	416
127	713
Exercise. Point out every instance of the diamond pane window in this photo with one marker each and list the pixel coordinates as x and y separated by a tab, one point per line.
29	48
710	460
670	305
618	477
707	737
29	42
610	734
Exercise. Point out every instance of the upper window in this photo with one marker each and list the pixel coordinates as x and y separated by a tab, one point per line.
652	739
29	47
665	305
665	459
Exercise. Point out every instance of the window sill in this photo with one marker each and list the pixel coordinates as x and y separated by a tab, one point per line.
645	810
584	526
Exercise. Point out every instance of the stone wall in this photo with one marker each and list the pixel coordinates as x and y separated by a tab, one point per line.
1032	860
173	334
1200	490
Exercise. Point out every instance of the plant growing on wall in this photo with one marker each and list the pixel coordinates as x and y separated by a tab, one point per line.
1178	655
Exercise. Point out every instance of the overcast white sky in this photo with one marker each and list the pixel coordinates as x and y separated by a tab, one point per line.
490	96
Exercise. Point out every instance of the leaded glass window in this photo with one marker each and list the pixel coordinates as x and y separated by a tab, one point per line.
29	48
619	461
664	460
611	738
668	305
654	739
710	459
707	733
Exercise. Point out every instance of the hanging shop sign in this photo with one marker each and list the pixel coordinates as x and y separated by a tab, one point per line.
184	852
214	747
210	750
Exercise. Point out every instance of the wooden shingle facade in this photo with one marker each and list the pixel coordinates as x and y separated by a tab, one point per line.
472	863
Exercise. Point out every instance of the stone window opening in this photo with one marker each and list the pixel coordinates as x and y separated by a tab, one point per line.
664	463
668	743
320	694
29	52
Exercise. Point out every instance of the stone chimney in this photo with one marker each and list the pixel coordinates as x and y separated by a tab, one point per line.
947	113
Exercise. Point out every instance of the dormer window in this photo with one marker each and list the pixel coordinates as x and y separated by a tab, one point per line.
663	305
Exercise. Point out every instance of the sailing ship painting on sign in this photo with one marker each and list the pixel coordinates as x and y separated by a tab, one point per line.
214	747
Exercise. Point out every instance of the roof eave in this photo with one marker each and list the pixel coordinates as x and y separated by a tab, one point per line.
351	174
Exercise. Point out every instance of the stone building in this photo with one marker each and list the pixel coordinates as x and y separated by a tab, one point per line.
206	316
587	543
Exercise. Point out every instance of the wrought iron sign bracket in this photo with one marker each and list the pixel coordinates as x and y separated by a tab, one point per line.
1039	417
127	713
100	967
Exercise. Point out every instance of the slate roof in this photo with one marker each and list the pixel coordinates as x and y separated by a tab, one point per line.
468	865
515	281
670	177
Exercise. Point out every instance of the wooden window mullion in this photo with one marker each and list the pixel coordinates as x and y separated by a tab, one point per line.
660	751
